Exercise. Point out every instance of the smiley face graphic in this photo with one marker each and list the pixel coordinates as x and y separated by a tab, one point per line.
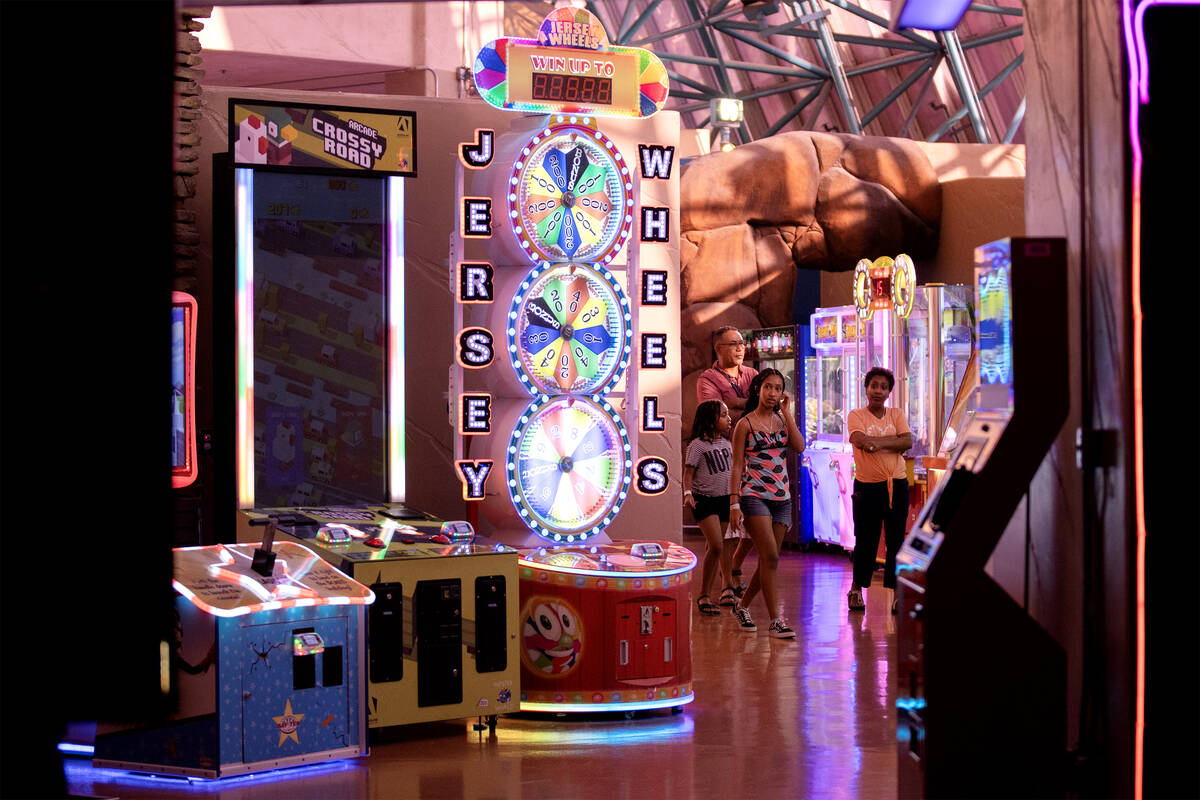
552	636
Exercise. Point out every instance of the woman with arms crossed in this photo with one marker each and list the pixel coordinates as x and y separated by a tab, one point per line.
879	435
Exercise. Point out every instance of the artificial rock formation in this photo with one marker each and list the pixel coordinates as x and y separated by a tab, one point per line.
751	217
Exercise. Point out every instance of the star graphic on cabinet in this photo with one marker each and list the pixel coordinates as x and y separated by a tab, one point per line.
288	724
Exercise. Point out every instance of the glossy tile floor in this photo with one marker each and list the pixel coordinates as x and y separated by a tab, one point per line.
810	718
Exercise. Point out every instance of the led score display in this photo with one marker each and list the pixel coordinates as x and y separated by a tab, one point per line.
571	88
570	67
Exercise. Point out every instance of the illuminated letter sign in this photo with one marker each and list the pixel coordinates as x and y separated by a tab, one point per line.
656	224
476	217
474	475
651	421
475	282
657	161
475	414
651	476
654	351
477	154
475	350
654	287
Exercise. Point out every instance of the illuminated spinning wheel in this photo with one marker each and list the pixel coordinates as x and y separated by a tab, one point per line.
571	195
569	467
569	330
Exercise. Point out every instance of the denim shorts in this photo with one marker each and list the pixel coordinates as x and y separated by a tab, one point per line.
780	511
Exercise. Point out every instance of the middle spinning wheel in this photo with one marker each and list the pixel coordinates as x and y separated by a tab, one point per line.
569	330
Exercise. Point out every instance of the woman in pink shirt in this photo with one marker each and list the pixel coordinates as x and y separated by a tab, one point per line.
879	435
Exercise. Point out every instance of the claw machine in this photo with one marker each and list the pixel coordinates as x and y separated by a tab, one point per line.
938	347
831	389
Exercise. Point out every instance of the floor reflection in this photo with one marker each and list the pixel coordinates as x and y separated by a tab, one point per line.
810	718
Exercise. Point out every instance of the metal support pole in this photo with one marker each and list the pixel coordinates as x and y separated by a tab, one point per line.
964	84
1016	123
833	63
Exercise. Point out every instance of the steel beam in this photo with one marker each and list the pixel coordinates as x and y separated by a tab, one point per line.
833	63
964	84
1016	123
898	90
793	113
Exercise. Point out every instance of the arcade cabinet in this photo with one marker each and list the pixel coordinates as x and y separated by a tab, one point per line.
982	687
267	664
785	348
831	389
558	314
318	235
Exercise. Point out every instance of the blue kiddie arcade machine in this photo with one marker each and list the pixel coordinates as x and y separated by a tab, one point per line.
982	685
267	664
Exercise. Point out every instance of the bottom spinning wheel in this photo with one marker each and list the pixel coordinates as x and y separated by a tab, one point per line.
569	467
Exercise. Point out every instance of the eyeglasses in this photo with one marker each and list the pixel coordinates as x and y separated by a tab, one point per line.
731	344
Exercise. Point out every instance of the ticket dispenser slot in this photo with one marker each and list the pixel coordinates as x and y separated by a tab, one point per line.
491	616
304	658
438	621
386	633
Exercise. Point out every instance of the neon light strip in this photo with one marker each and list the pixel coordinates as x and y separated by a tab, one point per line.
244	310
273	605
1139	94
608	573
395	359
76	749
180	780
630	706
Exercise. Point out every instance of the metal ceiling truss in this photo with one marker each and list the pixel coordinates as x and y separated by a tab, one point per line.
709	49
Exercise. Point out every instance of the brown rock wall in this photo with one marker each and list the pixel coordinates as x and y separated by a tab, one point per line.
751	217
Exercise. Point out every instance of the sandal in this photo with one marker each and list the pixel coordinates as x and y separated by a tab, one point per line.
706	606
728	597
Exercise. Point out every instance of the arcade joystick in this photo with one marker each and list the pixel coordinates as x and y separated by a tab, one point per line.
264	559
440	538
375	542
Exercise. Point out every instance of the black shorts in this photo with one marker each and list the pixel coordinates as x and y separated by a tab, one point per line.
707	506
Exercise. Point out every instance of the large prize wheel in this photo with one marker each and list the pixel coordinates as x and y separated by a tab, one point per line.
569	467
569	330
570	195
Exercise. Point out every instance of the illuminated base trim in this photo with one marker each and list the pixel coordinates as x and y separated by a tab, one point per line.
631	705
319	758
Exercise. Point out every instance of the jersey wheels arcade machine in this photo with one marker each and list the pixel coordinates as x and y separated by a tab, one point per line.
320	411
551	350
982	685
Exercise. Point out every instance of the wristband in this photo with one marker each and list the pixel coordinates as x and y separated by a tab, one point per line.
686	493
735	505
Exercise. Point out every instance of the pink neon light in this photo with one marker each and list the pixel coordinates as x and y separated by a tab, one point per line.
185	475
288	592
1139	94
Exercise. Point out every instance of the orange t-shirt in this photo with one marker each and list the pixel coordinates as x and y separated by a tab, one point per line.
881	465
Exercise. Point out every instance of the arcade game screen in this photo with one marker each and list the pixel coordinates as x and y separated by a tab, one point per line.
319	339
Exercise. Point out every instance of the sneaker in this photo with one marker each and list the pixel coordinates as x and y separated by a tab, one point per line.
854	599
744	621
780	630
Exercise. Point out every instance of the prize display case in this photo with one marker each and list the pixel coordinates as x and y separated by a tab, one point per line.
784	348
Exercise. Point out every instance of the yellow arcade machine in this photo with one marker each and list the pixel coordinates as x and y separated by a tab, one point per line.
317	205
